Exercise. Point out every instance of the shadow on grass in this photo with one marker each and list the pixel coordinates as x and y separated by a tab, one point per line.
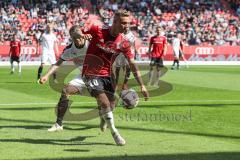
42	127
186	156
41	108
135	129
76	150
69	142
161	105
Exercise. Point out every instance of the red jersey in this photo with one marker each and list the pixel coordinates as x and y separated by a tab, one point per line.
15	47
158	44
102	51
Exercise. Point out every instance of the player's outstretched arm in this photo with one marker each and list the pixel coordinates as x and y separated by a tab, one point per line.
138	77
52	69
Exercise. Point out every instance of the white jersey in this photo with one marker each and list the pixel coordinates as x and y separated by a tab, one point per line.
176	47
77	55
47	41
120	60
176	43
131	38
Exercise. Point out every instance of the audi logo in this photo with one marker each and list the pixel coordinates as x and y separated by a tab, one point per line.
204	50
142	50
28	50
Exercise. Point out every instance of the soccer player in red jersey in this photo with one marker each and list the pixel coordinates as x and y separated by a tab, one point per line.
157	49
14	53
105	45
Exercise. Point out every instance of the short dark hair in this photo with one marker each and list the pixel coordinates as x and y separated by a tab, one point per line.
159	27
75	30
122	13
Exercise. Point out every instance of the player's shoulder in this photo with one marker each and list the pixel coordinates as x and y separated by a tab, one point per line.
43	34
154	36
53	35
68	47
66	52
130	36
163	37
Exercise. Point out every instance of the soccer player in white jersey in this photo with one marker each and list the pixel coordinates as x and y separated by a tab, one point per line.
122	62
177	50
48	42
76	50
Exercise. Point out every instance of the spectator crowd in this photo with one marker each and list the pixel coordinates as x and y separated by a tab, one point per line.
200	22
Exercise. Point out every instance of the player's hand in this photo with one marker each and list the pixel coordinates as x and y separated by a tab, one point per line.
43	79
87	36
145	92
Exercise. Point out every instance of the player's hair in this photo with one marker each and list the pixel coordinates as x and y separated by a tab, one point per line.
50	24
122	13
74	30
159	27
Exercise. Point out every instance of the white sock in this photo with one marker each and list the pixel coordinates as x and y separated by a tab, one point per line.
150	76
12	67
158	77
19	68
108	117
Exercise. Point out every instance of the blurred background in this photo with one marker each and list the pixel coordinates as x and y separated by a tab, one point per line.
213	23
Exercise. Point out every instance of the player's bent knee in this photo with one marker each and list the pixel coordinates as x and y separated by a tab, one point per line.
69	90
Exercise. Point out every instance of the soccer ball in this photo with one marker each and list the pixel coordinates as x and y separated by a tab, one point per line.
129	98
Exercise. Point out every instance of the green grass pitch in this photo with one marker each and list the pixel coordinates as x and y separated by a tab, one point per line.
199	119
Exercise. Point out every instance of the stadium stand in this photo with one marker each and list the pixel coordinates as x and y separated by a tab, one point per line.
213	22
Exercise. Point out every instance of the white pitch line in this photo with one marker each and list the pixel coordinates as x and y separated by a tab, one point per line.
194	101
160	101
37	103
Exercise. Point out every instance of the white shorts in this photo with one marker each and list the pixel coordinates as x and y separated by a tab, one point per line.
78	82
121	61
176	53
46	57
